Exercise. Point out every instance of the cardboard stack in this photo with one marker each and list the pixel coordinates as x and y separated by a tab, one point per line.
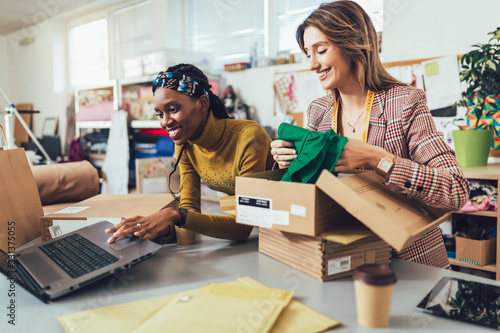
320	258
329	228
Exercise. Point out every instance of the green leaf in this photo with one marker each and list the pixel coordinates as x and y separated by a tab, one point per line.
492	64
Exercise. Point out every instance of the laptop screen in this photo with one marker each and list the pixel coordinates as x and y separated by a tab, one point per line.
12	271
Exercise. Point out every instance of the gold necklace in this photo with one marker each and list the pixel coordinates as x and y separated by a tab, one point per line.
353	125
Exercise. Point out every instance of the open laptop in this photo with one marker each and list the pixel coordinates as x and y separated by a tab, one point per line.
67	263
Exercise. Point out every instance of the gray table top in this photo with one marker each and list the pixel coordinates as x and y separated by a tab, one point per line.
177	268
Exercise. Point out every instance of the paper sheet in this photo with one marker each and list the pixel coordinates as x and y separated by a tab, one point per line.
442	82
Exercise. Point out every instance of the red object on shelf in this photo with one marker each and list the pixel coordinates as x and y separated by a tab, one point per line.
154	131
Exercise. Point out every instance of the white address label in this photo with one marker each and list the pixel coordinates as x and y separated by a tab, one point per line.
339	265
254	211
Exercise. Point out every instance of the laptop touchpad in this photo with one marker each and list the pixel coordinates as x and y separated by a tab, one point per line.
43	273
123	242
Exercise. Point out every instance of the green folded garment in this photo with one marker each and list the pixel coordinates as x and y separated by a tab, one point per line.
315	151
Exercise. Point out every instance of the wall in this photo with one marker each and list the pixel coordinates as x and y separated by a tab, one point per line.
37	74
412	29
255	88
4	78
430	28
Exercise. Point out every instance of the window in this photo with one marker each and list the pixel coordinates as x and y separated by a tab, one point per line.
228	29
88	53
291	13
133	31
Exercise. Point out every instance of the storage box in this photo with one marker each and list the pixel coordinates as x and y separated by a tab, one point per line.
320	258
310	209
112	207
475	252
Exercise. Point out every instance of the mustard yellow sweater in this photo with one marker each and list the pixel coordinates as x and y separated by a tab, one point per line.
227	148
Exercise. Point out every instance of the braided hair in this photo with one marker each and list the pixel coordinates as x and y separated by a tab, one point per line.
216	105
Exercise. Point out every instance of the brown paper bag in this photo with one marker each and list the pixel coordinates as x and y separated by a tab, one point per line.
20	206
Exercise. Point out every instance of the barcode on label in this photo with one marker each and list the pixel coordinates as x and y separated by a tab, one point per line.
339	265
55	231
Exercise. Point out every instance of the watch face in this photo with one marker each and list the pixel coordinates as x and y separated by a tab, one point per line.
385	165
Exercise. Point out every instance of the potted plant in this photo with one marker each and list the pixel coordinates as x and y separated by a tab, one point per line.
480	69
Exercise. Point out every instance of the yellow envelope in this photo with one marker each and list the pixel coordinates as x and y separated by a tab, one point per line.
297	317
134	316
221	307
347	233
120	317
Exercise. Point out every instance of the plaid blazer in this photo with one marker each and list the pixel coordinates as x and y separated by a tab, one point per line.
426	167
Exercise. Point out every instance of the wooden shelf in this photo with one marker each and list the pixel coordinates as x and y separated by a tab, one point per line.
489	172
480	213
488	268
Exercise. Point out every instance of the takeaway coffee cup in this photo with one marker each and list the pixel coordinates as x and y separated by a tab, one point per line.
185	236
373	287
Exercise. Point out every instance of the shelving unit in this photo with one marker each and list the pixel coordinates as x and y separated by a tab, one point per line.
96	102
136	97
489	172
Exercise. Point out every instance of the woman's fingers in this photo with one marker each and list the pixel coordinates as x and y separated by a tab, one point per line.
123	222
124	230
281	143
283	151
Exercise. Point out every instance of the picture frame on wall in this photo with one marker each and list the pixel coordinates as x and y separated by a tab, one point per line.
50	126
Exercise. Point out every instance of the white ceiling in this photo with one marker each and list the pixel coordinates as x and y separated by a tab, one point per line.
19	14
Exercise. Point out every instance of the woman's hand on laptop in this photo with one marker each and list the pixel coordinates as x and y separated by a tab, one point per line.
149	227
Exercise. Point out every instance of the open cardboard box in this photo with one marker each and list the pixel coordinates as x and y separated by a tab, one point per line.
112	207
310	209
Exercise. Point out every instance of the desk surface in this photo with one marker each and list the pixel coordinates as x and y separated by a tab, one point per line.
177	268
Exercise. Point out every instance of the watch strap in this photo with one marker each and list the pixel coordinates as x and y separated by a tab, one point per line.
180	223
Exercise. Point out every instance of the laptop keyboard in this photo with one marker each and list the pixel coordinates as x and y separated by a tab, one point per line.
77	255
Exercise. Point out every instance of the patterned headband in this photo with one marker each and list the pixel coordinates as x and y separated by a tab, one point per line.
179	82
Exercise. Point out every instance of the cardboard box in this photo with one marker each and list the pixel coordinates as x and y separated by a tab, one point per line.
111	207
311	209
475	252
320	258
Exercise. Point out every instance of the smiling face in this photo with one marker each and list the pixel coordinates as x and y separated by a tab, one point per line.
327	60
181	116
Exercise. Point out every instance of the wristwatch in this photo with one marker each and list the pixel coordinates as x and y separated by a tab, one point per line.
385	166
182	221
